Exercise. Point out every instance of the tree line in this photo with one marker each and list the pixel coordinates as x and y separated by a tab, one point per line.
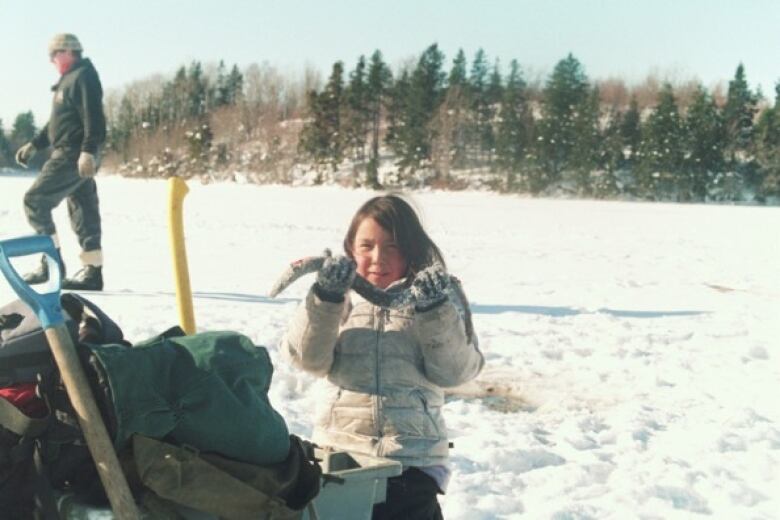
450	125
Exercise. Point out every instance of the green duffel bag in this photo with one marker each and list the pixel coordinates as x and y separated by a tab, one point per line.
208	391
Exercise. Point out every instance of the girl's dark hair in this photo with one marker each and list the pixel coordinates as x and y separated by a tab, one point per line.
399	219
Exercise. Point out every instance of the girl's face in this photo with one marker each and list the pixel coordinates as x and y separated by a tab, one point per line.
378	257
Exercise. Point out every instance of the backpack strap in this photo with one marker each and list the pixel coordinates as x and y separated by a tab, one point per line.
45	503
12	419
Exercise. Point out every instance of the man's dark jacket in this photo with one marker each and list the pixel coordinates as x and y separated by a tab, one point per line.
77	122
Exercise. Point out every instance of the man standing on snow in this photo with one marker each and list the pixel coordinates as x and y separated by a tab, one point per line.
76	130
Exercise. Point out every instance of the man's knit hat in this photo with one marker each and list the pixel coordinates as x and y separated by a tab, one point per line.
64	42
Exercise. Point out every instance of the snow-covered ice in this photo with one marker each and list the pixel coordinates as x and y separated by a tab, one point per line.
633	361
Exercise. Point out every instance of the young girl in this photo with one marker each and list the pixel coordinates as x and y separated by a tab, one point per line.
387	366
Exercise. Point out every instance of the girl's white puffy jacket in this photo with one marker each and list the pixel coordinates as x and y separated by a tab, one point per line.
387	369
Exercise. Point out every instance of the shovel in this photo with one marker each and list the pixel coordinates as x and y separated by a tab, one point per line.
47	307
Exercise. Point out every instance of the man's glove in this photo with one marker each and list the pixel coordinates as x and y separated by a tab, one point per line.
429	288
87	165
335	277
25	153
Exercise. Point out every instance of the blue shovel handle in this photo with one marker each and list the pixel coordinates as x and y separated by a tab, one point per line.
45	305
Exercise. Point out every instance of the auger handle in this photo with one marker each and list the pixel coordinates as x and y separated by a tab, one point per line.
47	307
177	190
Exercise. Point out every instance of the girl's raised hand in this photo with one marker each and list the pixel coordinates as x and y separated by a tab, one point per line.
336	275
429	287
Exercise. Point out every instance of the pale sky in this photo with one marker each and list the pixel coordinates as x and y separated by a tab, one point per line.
628	39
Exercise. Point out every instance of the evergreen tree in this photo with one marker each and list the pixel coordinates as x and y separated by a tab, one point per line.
227	88
5	148
196	91
413	135
768	148
332	107
565	91
235	86
706	141
738	116
630	132
122	128
23	129
379	82
586	152
187	96
322	137
457	77
356	116
175	97
151	115
494	93
397	110
457	110
479	134
514	128
611	157
219	94
313	142
478	77
661	148
495	88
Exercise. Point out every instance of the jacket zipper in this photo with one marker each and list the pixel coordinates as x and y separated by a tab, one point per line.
382	316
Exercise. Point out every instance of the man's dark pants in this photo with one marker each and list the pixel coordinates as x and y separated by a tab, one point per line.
59	179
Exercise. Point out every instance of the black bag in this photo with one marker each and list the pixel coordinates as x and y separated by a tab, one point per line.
24	350
38	453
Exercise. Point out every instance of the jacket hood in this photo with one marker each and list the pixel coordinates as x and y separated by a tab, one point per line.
82	63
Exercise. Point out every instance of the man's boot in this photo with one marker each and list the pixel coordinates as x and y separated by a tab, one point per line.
41	274
89	278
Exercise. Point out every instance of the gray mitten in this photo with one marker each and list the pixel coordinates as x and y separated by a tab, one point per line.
25	153
87	165
335	277
429	288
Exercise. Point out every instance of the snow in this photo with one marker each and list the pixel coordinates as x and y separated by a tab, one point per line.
633	366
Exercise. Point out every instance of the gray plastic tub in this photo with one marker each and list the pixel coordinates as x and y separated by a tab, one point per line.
351	485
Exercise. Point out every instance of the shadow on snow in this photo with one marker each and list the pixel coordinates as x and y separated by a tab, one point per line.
561	312
199	295
13	172
555	312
